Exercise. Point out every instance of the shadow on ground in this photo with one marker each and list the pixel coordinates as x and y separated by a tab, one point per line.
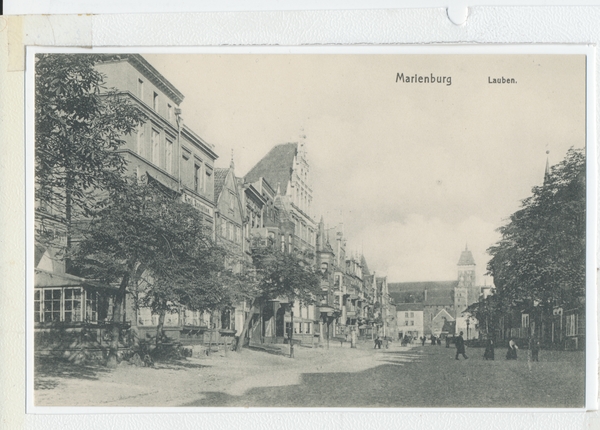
48	372
429	378
179	365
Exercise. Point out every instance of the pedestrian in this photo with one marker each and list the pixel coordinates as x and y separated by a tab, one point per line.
439	341
489	350
447	341
432	340
422	340
378	343
460	346
511	354
535	350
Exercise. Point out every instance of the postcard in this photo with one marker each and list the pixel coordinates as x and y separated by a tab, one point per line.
314	228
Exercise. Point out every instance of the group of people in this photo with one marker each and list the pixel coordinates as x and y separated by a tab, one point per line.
511	353
435	340
379	341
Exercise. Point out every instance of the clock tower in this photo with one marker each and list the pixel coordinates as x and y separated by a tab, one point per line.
466	281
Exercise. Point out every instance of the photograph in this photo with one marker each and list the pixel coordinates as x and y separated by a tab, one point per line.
308	230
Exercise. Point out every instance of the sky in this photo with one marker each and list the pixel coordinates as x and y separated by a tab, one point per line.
414	171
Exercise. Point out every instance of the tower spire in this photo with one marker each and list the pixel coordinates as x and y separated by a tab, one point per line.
547	172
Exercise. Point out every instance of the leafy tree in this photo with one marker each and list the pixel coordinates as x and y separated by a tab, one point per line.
487	312
79	125
142	233
278	274
540	259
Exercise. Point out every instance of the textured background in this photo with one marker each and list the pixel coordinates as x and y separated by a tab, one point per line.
485	25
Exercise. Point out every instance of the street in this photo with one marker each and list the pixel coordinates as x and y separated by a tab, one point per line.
399	377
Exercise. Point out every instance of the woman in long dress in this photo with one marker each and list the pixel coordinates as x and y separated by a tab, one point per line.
511	354
489	350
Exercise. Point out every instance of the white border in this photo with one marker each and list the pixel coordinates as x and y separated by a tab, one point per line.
591	221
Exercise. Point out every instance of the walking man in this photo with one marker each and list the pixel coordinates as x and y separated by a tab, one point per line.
460	346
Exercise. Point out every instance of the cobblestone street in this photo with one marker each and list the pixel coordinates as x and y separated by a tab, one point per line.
398	377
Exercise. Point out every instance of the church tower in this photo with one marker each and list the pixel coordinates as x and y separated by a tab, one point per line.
466	281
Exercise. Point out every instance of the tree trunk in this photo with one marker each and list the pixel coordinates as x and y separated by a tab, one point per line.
160	326
240	343
117	318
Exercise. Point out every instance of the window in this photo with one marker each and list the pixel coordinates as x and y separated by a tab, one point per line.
155	147
140	88
155	102
230	231
207	181
571	325
290	243
52	301
405	314
140	140
196	176
405	322
282	243
65	304
91	306
238	234
223	228
201	181
72	304
37	306
231	201
169	155
412	314
412	323
525	320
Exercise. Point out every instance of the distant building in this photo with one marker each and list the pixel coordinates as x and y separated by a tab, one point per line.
410	319
444	300
230	225
290	227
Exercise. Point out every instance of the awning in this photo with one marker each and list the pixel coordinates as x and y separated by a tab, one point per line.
45	278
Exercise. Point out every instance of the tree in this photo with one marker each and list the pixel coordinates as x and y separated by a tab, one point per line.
79	125
145	232
278	274
487	312
540	259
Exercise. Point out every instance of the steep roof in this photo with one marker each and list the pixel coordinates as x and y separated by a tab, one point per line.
220	177
275	167
466	258
413	307
430	286
439	293
365	268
